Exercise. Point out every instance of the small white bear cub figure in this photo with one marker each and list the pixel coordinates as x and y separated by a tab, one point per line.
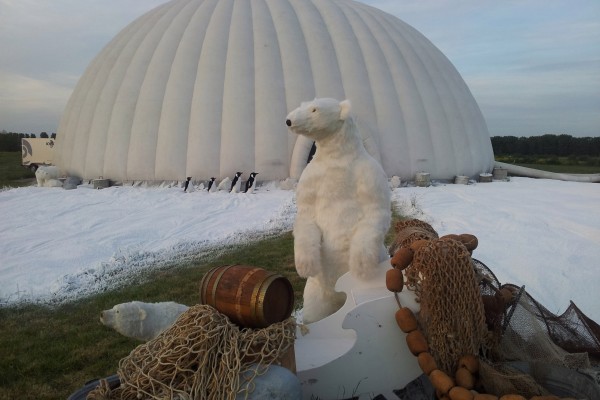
343	201
46	176
142	321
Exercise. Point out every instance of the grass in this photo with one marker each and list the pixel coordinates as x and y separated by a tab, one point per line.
567	169
12	173
568	165
48	353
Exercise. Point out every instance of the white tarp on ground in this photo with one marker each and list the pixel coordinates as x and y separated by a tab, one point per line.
61	244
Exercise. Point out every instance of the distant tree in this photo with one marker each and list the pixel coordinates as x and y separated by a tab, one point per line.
549	145
53	136
44	135
10	142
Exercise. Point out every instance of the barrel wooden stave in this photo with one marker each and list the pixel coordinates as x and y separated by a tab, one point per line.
250	296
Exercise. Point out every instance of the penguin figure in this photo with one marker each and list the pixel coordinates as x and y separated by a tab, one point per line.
224	184
236	183
211	185
250	183
187	183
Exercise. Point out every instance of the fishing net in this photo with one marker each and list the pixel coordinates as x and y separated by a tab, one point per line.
466	310
410	230
452	315
201	356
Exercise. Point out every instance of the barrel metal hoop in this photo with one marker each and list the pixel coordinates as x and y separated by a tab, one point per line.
238	296
216	285
204	284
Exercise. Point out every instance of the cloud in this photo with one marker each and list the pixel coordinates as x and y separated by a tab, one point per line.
531	66
520	59
38	102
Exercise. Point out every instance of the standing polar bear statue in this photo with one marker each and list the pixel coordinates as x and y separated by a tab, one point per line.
344	206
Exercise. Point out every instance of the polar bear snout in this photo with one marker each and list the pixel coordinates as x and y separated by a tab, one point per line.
288	122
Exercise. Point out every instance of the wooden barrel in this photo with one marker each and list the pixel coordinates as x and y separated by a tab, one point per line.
250	296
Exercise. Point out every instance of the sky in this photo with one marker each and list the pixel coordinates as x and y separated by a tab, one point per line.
58	245
532	65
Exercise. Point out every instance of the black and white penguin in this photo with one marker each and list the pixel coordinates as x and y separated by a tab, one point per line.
250	183
187	183
236	183
211	184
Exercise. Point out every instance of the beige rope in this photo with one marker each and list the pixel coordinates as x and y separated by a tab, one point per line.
202	356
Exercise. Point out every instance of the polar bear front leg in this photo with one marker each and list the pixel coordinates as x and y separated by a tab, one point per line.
368	240
365	253
307	248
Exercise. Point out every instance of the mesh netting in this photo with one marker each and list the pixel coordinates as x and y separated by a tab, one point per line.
452	315
465	310
200	357
502	379
528	337
410	230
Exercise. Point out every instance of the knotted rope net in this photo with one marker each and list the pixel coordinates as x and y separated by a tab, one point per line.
202	356
465	310
410	230
452	314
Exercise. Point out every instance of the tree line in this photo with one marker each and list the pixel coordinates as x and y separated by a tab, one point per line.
556	145
550	145
11	141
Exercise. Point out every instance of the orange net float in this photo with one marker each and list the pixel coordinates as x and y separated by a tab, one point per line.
441	381
469	362
464	378
470	241
402	258
417	343
485	396
426	362
451	236
406	320
394	281
460	393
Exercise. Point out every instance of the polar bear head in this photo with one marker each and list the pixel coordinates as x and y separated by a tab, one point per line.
319	118
125	315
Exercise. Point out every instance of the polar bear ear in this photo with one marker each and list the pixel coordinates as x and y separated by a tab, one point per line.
345	108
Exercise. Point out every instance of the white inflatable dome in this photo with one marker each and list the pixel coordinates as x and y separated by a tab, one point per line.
201	88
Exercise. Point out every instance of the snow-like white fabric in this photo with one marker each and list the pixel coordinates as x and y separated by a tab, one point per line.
343	201
142	321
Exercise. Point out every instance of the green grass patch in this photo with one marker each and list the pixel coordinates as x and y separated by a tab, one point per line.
12	173
567	165
565	169
49	353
